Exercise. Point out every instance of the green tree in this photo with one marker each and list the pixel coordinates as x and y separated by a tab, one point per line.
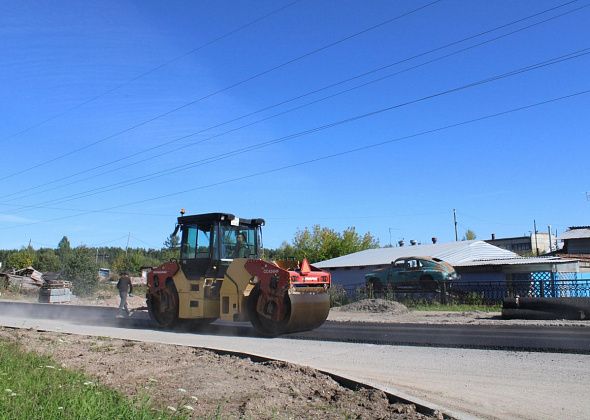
171	248
469	235
172	242
80	268
322	243
133	262
47	260
64	249
20	259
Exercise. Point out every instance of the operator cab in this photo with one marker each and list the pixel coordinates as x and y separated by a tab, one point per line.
209	242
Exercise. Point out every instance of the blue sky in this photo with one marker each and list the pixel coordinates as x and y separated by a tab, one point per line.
72	103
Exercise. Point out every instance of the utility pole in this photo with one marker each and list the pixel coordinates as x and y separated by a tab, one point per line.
127	246
390	237
455	219
536	243
550	240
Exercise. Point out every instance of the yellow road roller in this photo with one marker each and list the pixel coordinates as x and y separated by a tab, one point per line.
220	275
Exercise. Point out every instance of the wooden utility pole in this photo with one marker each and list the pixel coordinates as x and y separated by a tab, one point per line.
127	246
536	243
455	219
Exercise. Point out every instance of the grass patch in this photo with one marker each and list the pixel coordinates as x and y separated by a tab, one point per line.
452	307
35	387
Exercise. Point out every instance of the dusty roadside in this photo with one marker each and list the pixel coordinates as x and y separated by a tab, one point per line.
383	311
367	310
201	383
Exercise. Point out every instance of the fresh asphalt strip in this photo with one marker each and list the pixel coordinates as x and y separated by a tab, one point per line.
555	339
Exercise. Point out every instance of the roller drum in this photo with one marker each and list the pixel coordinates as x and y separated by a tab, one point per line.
308	311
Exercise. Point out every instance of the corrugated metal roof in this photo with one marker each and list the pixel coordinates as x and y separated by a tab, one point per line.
576	234
454	253
518	261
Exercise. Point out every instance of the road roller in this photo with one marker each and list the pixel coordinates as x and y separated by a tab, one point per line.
221	274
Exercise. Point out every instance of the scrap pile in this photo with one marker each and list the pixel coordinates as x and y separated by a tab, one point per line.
55	290
25	278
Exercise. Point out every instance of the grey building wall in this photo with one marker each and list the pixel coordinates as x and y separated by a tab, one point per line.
348	277
483	277
578	246
524	244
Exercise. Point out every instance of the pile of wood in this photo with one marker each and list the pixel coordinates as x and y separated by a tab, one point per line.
25	278
55	290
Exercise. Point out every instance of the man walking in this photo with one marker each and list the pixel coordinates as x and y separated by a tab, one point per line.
125	289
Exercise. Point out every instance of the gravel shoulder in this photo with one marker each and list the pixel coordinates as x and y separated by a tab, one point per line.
382	311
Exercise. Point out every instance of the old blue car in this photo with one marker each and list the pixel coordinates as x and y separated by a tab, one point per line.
412	274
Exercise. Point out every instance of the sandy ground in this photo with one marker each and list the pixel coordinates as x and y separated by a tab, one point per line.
201	383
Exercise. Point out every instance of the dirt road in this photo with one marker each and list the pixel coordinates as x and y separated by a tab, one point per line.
202	384
466	383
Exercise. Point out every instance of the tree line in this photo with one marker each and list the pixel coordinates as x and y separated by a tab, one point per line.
80	264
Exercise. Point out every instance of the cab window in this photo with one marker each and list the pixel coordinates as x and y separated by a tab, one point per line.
238	242
195	243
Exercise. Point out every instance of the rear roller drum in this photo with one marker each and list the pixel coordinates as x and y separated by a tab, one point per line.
163	306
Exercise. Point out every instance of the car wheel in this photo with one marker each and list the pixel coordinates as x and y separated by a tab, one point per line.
428	283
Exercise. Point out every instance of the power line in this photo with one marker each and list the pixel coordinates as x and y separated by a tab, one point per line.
298	97
41	207
241	82
144	242
169	171
317	159
96	245
152	70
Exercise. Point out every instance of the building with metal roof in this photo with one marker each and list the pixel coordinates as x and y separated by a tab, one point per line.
576	232
576	240
534	243
576	244
474	260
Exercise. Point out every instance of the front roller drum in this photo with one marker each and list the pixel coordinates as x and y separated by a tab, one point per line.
306	311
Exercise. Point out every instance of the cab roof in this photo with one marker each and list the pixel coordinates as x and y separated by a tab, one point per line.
207	219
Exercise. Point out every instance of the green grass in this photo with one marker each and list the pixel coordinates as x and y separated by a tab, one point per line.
453	307
36	387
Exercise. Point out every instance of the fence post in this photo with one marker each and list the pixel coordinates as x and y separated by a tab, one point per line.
443	292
